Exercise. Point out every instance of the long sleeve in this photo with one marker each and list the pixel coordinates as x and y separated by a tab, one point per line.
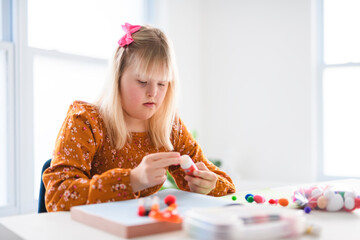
69	181
184	143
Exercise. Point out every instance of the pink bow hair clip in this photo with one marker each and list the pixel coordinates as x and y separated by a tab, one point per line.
129	29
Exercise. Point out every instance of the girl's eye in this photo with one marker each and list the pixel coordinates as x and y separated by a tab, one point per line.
161	84
142	83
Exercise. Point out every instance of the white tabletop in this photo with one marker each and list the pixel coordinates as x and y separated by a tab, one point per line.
59	225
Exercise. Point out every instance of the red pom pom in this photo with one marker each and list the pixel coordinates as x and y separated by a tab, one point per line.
141	211
169	199
357	202
272	201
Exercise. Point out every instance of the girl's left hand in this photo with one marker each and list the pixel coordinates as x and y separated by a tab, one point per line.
203	181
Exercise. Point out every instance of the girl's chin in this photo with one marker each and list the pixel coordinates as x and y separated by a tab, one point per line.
144	117
140	116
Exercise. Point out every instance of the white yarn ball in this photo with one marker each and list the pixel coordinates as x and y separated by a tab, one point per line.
335	203
329	194
349	203
350	195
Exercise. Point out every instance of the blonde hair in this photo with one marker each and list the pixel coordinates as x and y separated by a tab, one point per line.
152	54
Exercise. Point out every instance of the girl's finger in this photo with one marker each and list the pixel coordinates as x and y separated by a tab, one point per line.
201	166
207	175
199	182
166	162
162	155
203	172
159	172
198	189
160	179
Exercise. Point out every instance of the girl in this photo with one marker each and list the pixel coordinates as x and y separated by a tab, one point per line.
120	147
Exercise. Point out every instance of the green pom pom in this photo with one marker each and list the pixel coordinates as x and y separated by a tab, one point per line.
250	199
233	198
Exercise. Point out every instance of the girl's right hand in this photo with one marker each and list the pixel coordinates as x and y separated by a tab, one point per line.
152	170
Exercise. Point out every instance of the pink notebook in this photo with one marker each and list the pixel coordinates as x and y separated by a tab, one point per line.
121	218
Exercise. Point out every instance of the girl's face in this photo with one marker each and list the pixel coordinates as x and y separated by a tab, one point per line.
141	96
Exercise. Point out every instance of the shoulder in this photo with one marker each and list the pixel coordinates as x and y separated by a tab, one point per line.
82	122
81	107
178	126
181	137
85	111
177	123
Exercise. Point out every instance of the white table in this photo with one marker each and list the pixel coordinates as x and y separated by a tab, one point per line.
338	225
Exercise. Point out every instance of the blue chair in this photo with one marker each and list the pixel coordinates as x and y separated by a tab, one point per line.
41	207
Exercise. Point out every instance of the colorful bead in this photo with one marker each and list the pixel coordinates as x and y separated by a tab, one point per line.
283	202
259	199
349	203
322	202
307	209
250	199
326	198
335	203
272	201
141	211
248	195
357	202
169	199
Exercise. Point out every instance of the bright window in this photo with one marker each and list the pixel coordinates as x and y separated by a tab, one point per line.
342	121
340	88
341	34
70	43
82	27
54	90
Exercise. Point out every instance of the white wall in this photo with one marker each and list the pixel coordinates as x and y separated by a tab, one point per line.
182	22
247	79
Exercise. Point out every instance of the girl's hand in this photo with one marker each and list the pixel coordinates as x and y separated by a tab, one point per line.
152	170
204	180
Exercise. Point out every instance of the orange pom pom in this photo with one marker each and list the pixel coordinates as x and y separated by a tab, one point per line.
283	202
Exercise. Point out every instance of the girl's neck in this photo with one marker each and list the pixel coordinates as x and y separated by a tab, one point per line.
135	125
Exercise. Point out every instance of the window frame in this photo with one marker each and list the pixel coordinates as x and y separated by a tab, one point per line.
7	45
12	205
321	68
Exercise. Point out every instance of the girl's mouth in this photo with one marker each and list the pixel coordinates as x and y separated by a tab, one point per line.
149	104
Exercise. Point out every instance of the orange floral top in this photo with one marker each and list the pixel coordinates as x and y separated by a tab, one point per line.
86	168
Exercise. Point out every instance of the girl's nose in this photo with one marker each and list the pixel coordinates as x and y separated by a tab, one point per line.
152	90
